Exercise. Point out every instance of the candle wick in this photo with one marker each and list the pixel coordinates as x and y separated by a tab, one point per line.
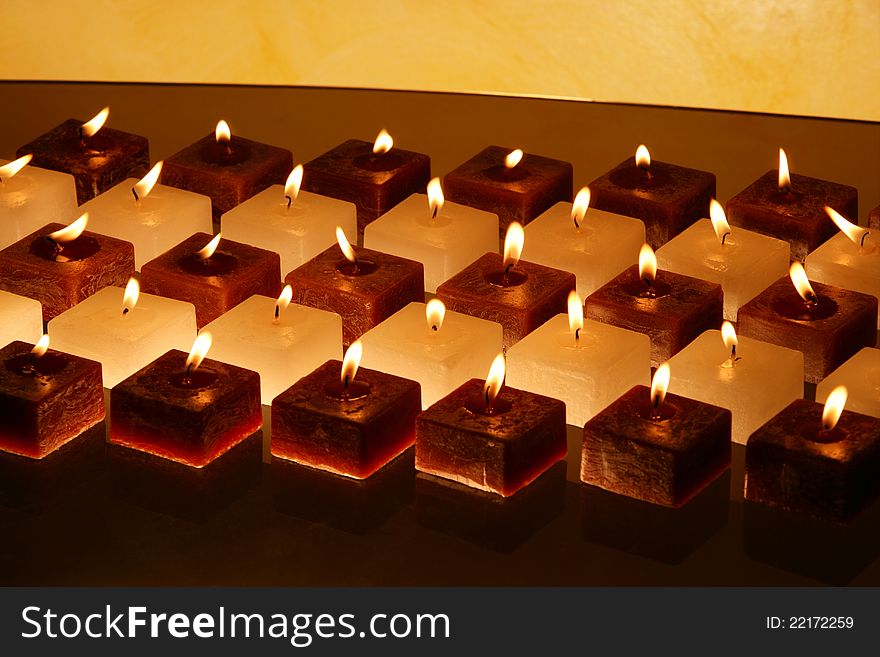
434	327
345	381
136	197
125	311
575	220
277	311
724	237
861	241
82	137
289	201
488	400
56	245
434	213
577	336
357	267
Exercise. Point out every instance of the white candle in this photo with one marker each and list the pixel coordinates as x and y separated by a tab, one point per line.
445	242
407	344
31	197
758	382
592	244
281	351
861	376
20	319
745	263
123	341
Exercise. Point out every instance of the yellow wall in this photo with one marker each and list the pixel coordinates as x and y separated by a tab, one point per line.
811	57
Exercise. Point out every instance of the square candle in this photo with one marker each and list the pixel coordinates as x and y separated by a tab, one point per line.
153	223
374	181
663	454
20	318
351	431
29	197
672	311
793	463
59	273
515	186
861	376
46	399
96	162
520	300
440	352
755	384
188	415
445	244
667	197
499	451
229	169
827	331
595	248
215	282
123	342
588	373
363	293
280	350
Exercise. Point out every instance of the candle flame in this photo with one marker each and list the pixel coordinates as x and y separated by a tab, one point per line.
90	128
350	362
435	312
199	350
580	206
130	296
41	347
383	142
294	182
513	158
647	263
784	176
834	407
643	157
801	282
208	250
283	301
345	245
494	380
513	244
728	334
435	197
11	168
222	133
719	220
145	185
855	233
575	313
72	230
659	384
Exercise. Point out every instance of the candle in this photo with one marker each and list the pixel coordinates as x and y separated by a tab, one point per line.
364	287
819	460
828	324
517	294
790	207
29	195
375	177
444	236
47	398
874	218
439	349
59	265
227	169
656	447
345	420
754	379
96	156
152	217
280	341
188	409
744	263
514	185
585	364
667	197
672	309
861	376
20	318
594	246
123	329
850	259
296	224
213	274
491	439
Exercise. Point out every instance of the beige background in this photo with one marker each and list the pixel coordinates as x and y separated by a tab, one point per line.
807	57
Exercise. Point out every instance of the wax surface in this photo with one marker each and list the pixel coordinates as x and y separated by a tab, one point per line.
280	352
20	319
764	379
745	265
440	360
297	233
861	376
32	197
588	375
445	244
843	263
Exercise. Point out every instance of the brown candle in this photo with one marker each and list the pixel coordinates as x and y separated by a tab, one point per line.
874	218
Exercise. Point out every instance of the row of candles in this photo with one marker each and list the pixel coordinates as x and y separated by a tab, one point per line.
423	369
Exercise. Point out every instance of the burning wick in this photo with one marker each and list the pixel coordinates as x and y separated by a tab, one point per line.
37	352
494	381
435	311
145	185
223	135
294	181
719	221
580	206
855	233
11	168
197	354
204	254
383	143
784	180
90	128
728	334
130	296
513	246
68	234
350	363
575	316
435	197
643	161
648	270
802	285
346	247
659	384
283	302
833	408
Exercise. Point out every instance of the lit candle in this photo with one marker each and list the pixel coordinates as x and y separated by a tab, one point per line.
861	376
20	318
444	236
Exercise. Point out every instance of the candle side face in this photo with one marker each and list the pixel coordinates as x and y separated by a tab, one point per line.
440	361
32	197
20	319
96	329
604	246
281	352
155	223
444	245
764	380
861	376
298	233
843	263
606	362
874	218
745	265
